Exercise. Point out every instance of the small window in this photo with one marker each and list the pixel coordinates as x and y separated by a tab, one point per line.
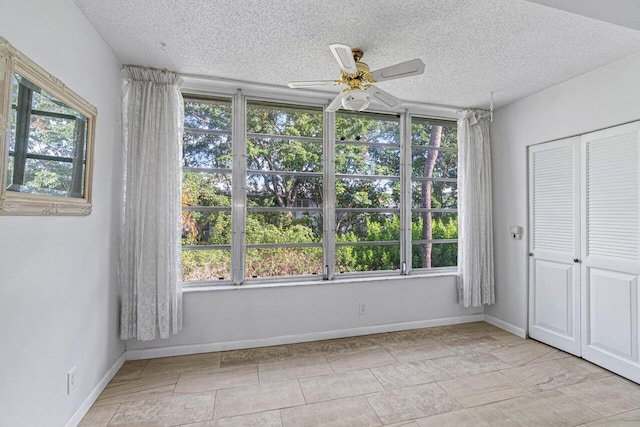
434	194
206	190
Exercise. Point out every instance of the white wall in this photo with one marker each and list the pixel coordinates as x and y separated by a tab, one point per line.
234	318
58	293
601	98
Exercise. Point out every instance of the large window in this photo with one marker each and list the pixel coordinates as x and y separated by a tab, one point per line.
273	190
367	182
284	191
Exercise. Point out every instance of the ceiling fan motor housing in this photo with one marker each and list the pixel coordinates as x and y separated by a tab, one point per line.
356	100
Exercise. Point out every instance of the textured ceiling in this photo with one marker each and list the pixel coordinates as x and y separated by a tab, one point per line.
470	48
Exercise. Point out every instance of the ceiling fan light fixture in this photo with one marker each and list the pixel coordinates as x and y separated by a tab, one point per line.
356	100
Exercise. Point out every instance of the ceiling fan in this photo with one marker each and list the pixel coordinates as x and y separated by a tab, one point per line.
359	80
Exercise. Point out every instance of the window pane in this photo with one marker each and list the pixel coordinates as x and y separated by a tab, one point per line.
367	258
367	193
443	226
46	177
444	195
434	133
367	160
369	227
274	119
367	127
276	262
284	227
207	114
206	265
271	154
201	150
52	136
434	163
283	190
206	228
206	189
434	255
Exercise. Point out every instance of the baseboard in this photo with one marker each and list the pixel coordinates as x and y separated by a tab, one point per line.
506	326
93	396
150	353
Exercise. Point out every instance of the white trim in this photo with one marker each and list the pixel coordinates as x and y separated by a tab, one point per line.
181	350
506	326
82	410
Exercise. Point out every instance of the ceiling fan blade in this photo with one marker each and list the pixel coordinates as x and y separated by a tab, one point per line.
404	69
336	103
344	56
312	83
385	97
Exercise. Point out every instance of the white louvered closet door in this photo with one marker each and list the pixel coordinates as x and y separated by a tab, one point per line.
611	249
554	244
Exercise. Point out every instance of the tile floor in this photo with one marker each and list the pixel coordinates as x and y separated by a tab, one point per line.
463	375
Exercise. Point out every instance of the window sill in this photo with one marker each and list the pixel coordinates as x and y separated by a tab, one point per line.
445	272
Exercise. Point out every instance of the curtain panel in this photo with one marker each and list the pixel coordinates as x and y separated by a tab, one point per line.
475	228
150	250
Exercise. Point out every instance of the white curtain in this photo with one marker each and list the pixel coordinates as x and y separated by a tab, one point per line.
475	230
150	250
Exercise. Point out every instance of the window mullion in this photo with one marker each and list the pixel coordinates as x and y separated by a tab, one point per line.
239	191
405	193
329	195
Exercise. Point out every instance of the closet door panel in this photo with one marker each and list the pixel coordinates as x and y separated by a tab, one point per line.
611	248
554	236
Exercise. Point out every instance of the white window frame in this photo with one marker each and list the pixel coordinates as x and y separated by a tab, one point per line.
240	93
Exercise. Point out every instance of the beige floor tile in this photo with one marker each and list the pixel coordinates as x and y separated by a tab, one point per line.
365	342
252	356
236	376
140	389
527	352
319	348
609	396
360	360
403	424
627	419
421	351
482	389
336	386
182	364
554	374
507	337
98	416
411	403
131	370
257	398
401	375
482	416
549	408
473	343
392	339
349	412
165	411
470	364
261	419
294	368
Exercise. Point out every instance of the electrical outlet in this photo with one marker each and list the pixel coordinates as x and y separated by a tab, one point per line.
71	380
362	309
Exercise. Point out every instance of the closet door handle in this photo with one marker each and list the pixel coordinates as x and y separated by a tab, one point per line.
576	260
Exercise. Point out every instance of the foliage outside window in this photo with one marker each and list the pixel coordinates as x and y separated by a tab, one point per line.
277	206
367	184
